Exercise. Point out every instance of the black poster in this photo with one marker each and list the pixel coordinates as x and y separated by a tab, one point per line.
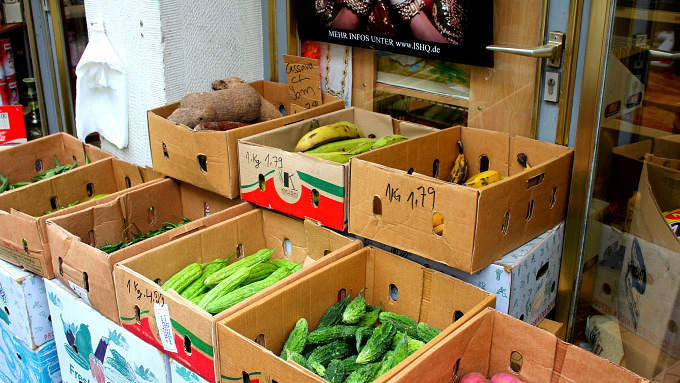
450	30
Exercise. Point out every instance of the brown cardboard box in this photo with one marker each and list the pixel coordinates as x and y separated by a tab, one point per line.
399	285
627	162
273	175
23	237
21	162
493	342
75	238
555	328
392	206
209	159
190	338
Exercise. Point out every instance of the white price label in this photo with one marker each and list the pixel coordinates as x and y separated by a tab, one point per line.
165	327
4	121
81	292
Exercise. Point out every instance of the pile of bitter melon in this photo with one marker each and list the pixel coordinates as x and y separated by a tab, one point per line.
215	286
355	342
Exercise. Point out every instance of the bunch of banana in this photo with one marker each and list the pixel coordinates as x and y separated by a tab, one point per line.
387	140
482	179
336	131
342	149
460	167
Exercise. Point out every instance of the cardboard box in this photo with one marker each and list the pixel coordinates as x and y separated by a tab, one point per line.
23	306
524	280
23	239
627	161
209	159
12	126
555	328
92	349
21	363
191	340
401	286
493	342
75	238
303	185
181	374
638	282
392	206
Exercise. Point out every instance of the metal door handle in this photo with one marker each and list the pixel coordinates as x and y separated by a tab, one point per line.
551	51
655	54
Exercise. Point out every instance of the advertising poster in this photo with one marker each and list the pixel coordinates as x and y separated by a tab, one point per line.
449	30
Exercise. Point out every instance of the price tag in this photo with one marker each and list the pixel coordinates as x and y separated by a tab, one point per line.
165	327
4	121
304	82
81	292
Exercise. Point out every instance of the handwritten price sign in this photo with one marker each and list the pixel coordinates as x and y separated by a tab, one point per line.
304	82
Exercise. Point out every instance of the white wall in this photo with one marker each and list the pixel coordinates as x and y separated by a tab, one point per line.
171	48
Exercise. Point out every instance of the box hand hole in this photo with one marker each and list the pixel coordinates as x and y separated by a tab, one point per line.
54	203
25	244
506	223
535	181
541	272
261	340
516	361
138	315
38	165
261	182
151	215
187	345
438	223
409	171
6	311
128	183
342	293
90	189
435	168
282	109
377	207
245	377
483	163
239	251
457	315
455	370
315	198
206	209
60	261
86	282
553	198
165	151
393	292
287	246
530	210
202	162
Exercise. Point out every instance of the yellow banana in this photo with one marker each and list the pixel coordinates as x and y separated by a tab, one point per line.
388	140
340	157
337	131
483	179
460	167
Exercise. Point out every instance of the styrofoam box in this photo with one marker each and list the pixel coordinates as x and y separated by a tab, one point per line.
20	363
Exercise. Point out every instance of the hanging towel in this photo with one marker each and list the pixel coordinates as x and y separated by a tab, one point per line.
101	90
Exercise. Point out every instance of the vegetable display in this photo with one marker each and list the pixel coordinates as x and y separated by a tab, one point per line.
138	237
342	349
5	185
215	286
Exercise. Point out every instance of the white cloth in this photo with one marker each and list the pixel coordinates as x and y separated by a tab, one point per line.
101	90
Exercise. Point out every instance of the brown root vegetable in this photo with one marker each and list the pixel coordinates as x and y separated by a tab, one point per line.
241	104
219	125
267	110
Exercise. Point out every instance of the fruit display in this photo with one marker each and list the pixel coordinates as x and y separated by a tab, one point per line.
355	342
482	179
215	286
340	141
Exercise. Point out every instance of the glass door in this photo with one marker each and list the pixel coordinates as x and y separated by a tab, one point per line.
627	164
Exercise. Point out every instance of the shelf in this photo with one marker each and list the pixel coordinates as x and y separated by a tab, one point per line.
648	14
9	27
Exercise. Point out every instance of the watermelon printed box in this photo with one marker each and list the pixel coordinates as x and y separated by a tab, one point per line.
93	349
21	363
23	305
273	175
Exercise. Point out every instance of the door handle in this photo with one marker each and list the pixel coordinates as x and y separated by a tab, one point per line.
655	54
551	51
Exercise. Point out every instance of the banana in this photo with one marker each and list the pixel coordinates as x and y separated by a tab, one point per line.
388	140
483	179
327	133
342	146
340	157
364	147
460	167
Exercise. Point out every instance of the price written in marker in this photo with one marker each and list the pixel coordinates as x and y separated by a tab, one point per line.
304	82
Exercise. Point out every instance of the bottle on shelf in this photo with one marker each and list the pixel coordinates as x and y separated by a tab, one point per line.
32	119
